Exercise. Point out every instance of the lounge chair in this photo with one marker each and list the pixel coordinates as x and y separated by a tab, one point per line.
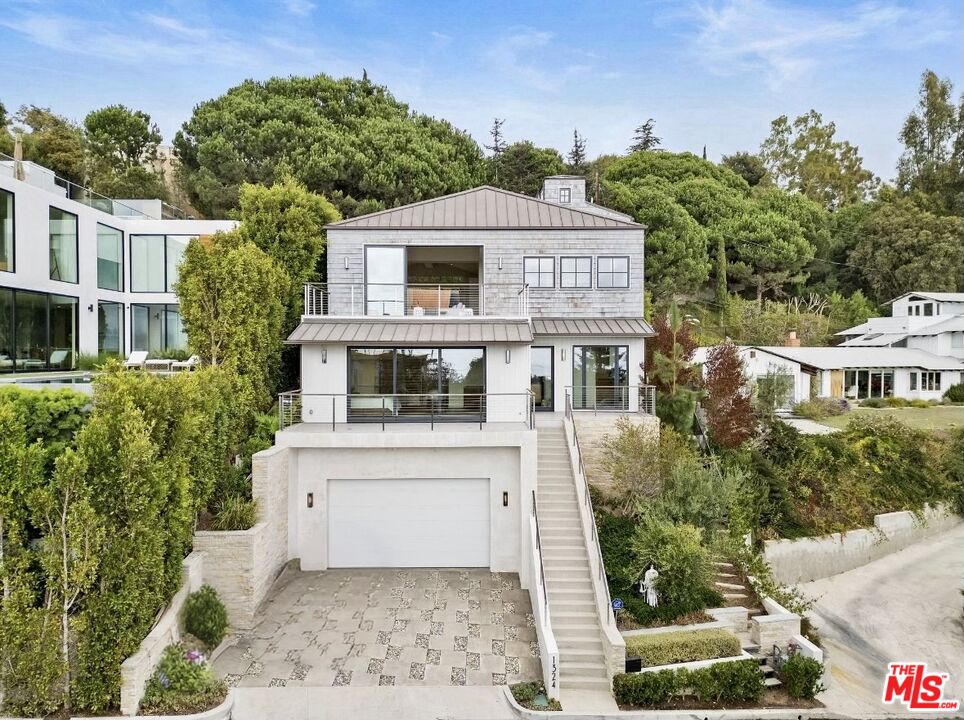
136	359
58	358
159	364
189	364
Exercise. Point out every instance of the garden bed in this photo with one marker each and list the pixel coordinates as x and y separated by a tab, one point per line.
773	698
682	646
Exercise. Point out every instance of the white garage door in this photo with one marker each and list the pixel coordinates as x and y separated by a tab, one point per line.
408	523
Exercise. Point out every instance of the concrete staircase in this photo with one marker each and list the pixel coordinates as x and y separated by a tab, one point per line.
572	604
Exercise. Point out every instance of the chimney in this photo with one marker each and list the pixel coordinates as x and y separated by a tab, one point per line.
792	339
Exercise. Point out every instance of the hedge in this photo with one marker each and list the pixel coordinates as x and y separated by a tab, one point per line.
728	682
678	647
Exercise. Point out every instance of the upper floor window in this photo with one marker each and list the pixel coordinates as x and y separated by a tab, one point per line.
576	272
155	260
565	195
63	245
539	272
928	309
6	231
110	258
612	272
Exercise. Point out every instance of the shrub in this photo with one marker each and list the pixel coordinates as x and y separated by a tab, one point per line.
820	407
918	403
873	403
525	692
739	681
896	402
205	617
678	647
235	512
802	676
92	361
685	569
955	393
182	681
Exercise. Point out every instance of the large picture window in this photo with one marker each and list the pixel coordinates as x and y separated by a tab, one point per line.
539	272
63	245
157	328
155	260
612	272
416	384
110	328
575	272
600	376
110	258
37	331
6	231
863	384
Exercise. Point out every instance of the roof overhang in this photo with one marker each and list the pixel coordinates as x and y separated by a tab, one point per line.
601	326
410	331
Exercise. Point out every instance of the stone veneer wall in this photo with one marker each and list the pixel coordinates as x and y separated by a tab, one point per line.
592	428
805	559
138	668
242	564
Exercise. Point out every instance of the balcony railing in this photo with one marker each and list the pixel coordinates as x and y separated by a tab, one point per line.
612	398
450	300
384	409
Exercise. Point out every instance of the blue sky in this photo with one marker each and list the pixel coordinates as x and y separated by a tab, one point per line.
712	72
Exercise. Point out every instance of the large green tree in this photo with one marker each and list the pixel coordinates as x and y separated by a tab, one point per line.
903	247
767	251
805	156
53	141
122	145
933	136
521	167
344	138
748	166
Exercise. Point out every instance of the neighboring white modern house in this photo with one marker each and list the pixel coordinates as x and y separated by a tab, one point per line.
437	363
81	273
933	322
853	373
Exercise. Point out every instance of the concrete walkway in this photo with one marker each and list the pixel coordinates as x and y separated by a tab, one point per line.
808	427
906	606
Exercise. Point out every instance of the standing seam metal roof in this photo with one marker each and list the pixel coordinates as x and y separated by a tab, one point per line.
591	326
391	332
484	207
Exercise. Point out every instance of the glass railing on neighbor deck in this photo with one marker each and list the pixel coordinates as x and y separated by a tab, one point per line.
412	299
384	409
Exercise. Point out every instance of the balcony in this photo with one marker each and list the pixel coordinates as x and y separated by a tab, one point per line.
436	300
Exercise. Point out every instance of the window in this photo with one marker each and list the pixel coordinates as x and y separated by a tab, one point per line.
612	272
957	340
416	384
157	328
63	245
110	328
913	381
37	331
930	381
575	272
928	309
6	231
863	384
565	195
155	260
539	272
600	377
110	258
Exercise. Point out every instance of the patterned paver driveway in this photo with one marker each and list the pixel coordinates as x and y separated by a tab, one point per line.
388	627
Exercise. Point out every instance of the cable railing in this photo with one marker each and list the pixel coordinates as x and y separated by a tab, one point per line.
386	409
613	398
437	300
594	532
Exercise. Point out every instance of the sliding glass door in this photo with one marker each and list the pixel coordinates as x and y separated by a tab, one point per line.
600	377
416	384
541	377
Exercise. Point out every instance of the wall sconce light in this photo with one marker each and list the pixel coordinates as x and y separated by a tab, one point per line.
346	262
505	499
90	308
508	355
500	262
324	355
311	499
562	354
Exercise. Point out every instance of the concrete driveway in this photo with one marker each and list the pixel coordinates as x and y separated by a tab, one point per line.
906	606
388	627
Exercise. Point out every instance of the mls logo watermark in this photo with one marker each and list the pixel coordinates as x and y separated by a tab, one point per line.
911	685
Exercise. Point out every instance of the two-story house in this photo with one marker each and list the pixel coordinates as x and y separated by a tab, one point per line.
437	362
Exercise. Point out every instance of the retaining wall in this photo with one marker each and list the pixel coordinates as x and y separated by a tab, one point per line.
805	559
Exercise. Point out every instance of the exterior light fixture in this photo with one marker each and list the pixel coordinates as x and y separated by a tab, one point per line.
508	355
90	308
505	499
311	499
562	354
324	355
346	262
500	262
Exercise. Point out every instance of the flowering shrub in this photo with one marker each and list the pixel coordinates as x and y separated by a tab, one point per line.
182	681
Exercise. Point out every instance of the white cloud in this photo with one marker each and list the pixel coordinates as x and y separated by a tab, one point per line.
441	39
787	43
528	56
301	8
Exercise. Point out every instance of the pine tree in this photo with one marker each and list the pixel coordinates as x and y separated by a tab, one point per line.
722	294
577	156
645	139
497	147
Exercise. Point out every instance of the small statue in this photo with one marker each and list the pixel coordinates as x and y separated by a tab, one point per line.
648	586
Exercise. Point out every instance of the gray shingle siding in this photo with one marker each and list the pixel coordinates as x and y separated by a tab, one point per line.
502	286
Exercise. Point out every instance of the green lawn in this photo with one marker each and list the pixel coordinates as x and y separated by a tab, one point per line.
939	417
